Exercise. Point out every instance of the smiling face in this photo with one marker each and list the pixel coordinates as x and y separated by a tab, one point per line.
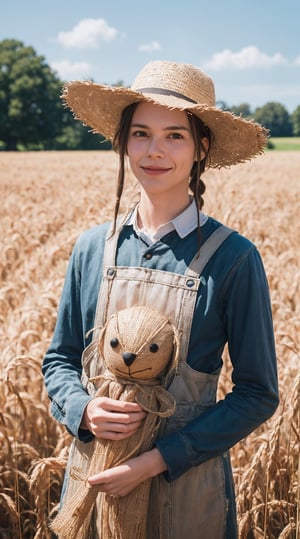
161	150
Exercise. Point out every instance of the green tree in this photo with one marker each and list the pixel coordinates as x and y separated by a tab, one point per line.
30	109
276	118
242	110
75	136
222	105
295	118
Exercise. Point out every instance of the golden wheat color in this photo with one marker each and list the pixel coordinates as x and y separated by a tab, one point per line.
47	199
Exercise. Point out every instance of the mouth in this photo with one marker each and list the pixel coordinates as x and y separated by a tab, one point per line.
155	171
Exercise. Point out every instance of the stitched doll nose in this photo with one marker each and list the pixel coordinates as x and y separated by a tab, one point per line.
129	358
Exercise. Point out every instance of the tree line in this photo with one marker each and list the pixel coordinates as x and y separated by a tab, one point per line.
32	116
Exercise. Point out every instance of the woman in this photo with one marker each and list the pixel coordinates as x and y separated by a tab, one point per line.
168	127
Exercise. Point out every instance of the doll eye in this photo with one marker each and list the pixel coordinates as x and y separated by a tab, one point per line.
153	347
114	342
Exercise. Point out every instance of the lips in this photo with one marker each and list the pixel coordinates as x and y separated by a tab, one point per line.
153	171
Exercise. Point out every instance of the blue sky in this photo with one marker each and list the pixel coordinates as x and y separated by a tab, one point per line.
251	49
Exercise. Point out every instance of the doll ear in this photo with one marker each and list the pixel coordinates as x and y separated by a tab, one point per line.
173	363
102	333
101	340
91	330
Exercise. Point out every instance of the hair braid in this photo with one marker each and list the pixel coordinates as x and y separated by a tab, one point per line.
120	146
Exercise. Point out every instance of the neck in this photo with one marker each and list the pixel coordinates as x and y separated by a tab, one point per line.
153	213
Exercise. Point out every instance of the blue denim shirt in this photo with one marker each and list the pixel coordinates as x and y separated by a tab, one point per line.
234	309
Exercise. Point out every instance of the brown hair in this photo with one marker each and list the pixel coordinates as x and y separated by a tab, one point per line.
199	131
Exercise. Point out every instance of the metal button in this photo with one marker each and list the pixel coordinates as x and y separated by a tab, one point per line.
190	283
148	256
110	272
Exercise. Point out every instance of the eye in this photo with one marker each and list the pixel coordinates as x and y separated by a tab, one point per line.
114	342
139	133
175	136
153	347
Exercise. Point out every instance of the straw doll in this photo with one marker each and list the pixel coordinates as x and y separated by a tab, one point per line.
138	346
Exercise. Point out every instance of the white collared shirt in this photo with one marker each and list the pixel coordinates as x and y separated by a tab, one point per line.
184	224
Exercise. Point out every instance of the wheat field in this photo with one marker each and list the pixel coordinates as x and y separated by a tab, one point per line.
47	199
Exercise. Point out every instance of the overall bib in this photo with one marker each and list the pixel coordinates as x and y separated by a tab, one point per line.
194	506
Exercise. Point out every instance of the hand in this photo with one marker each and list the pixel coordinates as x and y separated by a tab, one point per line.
112	419
122	479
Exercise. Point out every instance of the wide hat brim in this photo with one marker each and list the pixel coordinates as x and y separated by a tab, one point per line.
234	139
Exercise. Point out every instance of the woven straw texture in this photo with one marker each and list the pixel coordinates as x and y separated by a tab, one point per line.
172	85
136	329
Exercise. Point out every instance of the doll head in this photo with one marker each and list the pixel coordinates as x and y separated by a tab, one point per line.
138	343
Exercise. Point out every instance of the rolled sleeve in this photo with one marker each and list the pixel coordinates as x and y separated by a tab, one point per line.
62	363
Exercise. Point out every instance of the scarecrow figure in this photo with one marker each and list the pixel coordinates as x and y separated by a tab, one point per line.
138	347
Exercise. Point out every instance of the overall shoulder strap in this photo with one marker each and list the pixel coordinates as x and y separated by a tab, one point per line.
206	251
109	260
109	256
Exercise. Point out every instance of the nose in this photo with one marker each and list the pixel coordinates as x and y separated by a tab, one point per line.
129	358
155	147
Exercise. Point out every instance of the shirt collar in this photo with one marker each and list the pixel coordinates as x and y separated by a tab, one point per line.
184	223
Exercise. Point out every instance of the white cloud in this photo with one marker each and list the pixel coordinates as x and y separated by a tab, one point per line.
87	34
297	61
68	70
149	47
247	58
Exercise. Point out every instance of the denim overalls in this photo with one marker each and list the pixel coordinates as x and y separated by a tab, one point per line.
194	506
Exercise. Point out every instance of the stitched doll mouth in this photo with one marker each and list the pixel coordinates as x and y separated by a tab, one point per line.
132	373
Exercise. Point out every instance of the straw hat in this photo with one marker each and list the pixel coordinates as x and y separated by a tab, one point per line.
172	85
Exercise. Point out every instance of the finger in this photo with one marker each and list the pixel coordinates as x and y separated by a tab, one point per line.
118	405
110	433
112	423
120	418
100	478
94	480
123	427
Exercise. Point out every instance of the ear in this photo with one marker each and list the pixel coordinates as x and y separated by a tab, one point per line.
204	149
205	146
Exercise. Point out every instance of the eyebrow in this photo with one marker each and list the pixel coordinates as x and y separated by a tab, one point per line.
168	128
